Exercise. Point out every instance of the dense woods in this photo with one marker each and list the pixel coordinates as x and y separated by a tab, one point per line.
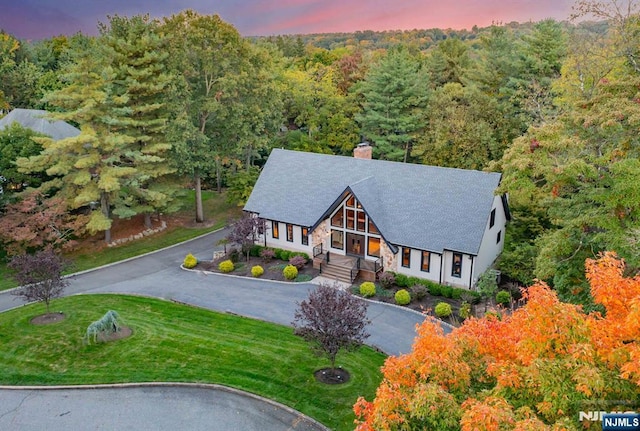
185	101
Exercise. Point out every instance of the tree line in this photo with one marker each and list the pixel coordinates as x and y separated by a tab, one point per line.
187	100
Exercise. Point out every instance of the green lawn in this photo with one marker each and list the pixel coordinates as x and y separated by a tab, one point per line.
216	209
172	342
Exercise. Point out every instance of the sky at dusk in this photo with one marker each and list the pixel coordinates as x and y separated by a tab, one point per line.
38	19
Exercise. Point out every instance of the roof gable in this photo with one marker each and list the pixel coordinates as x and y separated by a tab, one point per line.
423	207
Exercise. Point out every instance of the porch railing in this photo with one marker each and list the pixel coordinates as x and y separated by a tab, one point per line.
378	265
317	250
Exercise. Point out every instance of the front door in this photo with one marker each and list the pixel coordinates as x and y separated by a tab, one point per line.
355	244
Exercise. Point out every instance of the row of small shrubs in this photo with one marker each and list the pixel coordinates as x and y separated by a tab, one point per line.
419	287
268	253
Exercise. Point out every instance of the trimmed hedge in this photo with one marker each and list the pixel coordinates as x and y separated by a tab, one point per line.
402	297
190	261
436	289
503	298
226	266
278	253
367	289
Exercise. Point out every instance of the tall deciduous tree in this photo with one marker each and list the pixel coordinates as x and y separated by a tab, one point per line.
395	95
206	52
534	369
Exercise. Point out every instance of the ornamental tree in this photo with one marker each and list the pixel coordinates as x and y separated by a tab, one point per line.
534	369
331	320
245	231
40	276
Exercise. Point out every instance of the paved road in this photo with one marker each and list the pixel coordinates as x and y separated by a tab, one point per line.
146	408
159	275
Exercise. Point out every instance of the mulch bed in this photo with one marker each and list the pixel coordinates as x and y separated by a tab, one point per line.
332	376
272	269
124	332
48	318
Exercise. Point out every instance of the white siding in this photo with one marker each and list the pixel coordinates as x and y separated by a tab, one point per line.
463	280
281	241
415	264
490	249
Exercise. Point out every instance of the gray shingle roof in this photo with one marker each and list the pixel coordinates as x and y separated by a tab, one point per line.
35	120
423	207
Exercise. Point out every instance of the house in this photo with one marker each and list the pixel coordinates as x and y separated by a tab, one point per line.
37	121
359	216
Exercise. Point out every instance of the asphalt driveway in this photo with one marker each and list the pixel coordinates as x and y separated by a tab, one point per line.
159	275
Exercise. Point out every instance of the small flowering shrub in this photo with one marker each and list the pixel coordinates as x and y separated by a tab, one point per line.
402	297
257	271
386	280
443	309
298	261
290	272
367	289
267	254
226	266
418	291
190	261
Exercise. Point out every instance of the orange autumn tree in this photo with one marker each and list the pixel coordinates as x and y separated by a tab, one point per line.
533	370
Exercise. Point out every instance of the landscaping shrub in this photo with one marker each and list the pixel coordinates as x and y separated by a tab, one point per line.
412	281
447	291
234	255
465	310
303	278
190	261
299	253
290	272
298	261
470	296
503	298
283	254
402	280
387	279
493	314
367	289
267	254
418	291
226	266
457	293
257	271
435	289
443	309
402	297
256	250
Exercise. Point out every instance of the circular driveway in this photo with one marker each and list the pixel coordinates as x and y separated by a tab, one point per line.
158	274
157	407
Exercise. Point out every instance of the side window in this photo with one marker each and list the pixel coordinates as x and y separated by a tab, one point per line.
406	257
426	260
289	232
456	267
305	236
274	230
492	220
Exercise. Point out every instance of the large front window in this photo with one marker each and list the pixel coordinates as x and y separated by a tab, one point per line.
373	247
353	231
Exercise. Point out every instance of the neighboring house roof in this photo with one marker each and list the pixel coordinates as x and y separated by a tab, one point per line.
36	120
418	206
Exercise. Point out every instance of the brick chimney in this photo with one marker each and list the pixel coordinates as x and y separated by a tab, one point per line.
362	151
